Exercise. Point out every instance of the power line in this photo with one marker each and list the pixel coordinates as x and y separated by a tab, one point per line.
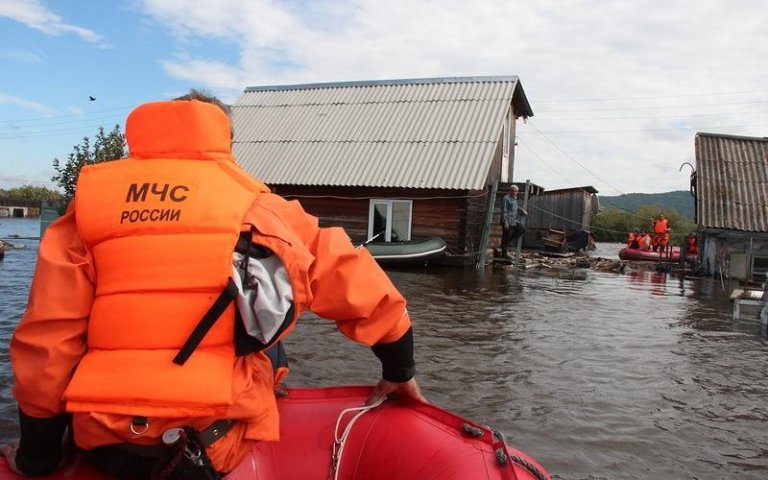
20	181
64	116
539	158
86	131
45	124
733	114
60	125
666	129
682	95
569	156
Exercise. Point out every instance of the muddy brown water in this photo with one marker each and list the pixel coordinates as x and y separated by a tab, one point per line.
616	376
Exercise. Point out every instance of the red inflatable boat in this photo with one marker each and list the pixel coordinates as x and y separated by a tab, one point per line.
671	254
325	434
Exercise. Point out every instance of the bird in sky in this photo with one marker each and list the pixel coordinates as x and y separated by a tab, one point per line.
91	98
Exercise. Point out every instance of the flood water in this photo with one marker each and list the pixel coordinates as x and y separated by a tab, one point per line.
616	376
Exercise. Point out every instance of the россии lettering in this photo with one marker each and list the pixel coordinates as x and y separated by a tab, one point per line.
163	192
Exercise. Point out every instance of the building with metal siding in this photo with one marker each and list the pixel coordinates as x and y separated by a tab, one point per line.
442	145
730	183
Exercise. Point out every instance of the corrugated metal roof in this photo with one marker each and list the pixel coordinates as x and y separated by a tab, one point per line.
732	182
424	133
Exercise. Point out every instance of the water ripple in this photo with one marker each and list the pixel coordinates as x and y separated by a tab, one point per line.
613	376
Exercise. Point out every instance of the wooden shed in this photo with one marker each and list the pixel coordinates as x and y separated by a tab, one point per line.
421	157
730	186
565	210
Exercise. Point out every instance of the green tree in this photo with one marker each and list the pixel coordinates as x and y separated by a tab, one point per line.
32	194
679	225
614	225
105	147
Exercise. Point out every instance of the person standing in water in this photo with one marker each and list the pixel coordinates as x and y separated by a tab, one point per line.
511	217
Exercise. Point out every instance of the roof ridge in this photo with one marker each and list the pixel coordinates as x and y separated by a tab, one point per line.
394	82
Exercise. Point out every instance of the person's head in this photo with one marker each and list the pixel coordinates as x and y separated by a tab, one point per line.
202	96
514	189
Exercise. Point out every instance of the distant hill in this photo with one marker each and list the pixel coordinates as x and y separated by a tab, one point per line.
680	200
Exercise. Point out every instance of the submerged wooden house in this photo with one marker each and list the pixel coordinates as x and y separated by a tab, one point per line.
391	159
730	186
18	208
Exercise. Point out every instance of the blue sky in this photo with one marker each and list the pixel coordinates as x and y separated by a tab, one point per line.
618	88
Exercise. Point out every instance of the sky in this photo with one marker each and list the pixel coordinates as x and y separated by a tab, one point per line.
618	88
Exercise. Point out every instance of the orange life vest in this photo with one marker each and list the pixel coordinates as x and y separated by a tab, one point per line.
644	242
162	241
140	257
692	245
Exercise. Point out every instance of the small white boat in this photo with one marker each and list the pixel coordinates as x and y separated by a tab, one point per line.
411	251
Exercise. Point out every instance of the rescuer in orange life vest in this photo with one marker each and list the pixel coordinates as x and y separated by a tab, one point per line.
691	244
644	241
141	317
660	233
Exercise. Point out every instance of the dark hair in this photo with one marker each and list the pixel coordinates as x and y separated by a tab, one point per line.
202	96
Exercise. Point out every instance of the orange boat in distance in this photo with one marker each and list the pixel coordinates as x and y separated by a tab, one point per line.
670	254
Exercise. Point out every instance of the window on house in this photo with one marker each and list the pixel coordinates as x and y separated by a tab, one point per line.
389	220
759	269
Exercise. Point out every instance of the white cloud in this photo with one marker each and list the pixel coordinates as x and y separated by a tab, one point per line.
618	88
6	99
19	55
215	74
35	15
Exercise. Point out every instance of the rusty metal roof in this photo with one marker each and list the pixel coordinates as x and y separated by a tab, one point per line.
422	133
732	182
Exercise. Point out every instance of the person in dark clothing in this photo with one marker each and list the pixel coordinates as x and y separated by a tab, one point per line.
511	216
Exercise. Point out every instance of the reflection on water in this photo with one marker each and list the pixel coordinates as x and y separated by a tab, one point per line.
15	274
641	375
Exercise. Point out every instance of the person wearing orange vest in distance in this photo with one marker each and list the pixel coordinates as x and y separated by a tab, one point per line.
160	292
661	233
644	241
692	244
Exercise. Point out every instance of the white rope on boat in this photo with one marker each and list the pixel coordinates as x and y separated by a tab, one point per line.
340	441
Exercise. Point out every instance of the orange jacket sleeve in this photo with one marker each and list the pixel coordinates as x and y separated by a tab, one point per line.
51	337
347	284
